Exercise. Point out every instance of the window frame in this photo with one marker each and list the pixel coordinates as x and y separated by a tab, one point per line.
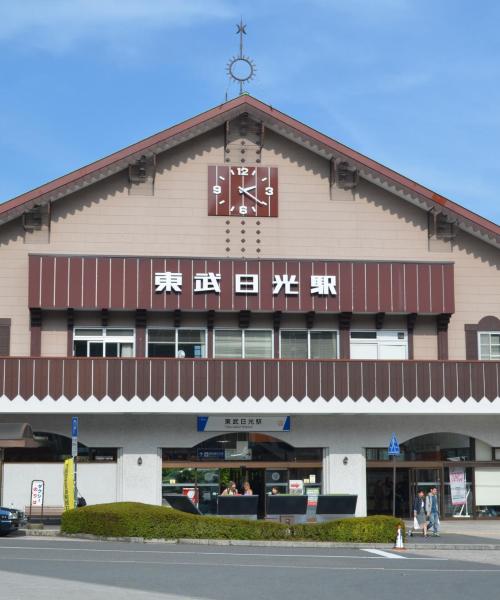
308	332
177	329
376	340
489	334
103	338
243	342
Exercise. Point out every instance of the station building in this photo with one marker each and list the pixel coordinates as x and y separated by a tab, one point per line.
242	297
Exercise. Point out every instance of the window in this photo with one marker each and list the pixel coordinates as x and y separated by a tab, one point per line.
102	341
489	345
243	343
379	345
308	344
189	343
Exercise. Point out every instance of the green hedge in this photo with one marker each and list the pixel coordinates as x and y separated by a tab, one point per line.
132	519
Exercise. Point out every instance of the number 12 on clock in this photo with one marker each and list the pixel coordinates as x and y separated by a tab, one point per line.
242	191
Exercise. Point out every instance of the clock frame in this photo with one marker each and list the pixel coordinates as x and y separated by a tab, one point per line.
242	191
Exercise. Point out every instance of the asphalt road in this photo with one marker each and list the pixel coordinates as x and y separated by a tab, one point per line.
51	568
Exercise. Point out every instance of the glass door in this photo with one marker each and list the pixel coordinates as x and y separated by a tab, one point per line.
425	479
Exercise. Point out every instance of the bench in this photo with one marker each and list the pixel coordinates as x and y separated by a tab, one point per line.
49	512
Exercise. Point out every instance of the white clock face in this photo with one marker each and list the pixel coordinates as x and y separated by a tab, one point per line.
243	191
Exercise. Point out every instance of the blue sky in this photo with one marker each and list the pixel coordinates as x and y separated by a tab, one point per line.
414	84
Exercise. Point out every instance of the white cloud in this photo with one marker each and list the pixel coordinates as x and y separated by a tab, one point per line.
60	24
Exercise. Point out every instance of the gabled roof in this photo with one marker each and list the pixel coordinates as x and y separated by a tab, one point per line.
276	121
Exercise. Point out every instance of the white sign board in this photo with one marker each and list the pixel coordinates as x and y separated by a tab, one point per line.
296	487
245	423
37	492
457	486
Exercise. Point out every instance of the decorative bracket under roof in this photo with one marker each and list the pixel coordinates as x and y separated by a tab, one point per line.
244	139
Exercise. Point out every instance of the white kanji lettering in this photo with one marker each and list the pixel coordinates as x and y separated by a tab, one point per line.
207	282
246	284
286	281
324	285
168	282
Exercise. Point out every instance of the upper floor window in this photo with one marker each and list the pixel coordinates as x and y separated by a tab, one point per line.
489	345
308	343
243	343
181	343
103	341
379	345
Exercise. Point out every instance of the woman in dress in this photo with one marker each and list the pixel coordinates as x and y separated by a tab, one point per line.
419	511
247	490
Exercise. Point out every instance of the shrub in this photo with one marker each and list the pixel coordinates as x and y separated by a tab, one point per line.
132	519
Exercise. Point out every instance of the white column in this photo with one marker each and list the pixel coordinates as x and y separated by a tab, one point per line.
139	475
350	478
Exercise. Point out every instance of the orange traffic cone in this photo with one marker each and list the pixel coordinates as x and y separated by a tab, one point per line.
399	540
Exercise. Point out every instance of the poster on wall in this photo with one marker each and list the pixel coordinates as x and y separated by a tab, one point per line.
296	487
37	492
458	486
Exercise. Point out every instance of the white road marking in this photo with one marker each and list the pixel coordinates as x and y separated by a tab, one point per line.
383	553
378	553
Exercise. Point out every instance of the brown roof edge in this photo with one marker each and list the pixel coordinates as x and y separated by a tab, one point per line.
184	126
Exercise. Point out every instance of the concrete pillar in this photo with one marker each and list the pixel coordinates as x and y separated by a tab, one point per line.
349	478
139	474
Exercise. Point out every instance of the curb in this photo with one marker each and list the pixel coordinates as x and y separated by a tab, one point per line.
38	532
277	544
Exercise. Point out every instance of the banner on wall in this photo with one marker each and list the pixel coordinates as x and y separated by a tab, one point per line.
69	484
458	486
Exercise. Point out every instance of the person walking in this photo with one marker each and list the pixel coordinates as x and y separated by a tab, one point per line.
419	512
432	510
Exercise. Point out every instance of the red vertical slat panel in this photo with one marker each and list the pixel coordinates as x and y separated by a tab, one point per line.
307	301
280	298
157	299
128	378
85	377
187	298
3	362
293	303
55	378
34	264
266	285
327	379
382	379
117	282
89	282
146	283
171	379
171	300
226	277
355	380
464	380
186	375
410	380
228	379
359	287
385	291
285	380
100	383
114	377
437	380
437	300
411	288
490	380
131	283
26	378
423	380
103	279
449	289
333	302
41	375
253	299
154	371
372	287
200	379
396	380
313	380
299	379
239	300
257	379
11	384
214	379
368	380
271	376
47	275
243	379
213	300
70	388
199	298
424	289
398	291
346	304
477	380
450	380
61	296
341	384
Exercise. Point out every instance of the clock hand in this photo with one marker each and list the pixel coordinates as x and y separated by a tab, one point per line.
243	190
255	198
